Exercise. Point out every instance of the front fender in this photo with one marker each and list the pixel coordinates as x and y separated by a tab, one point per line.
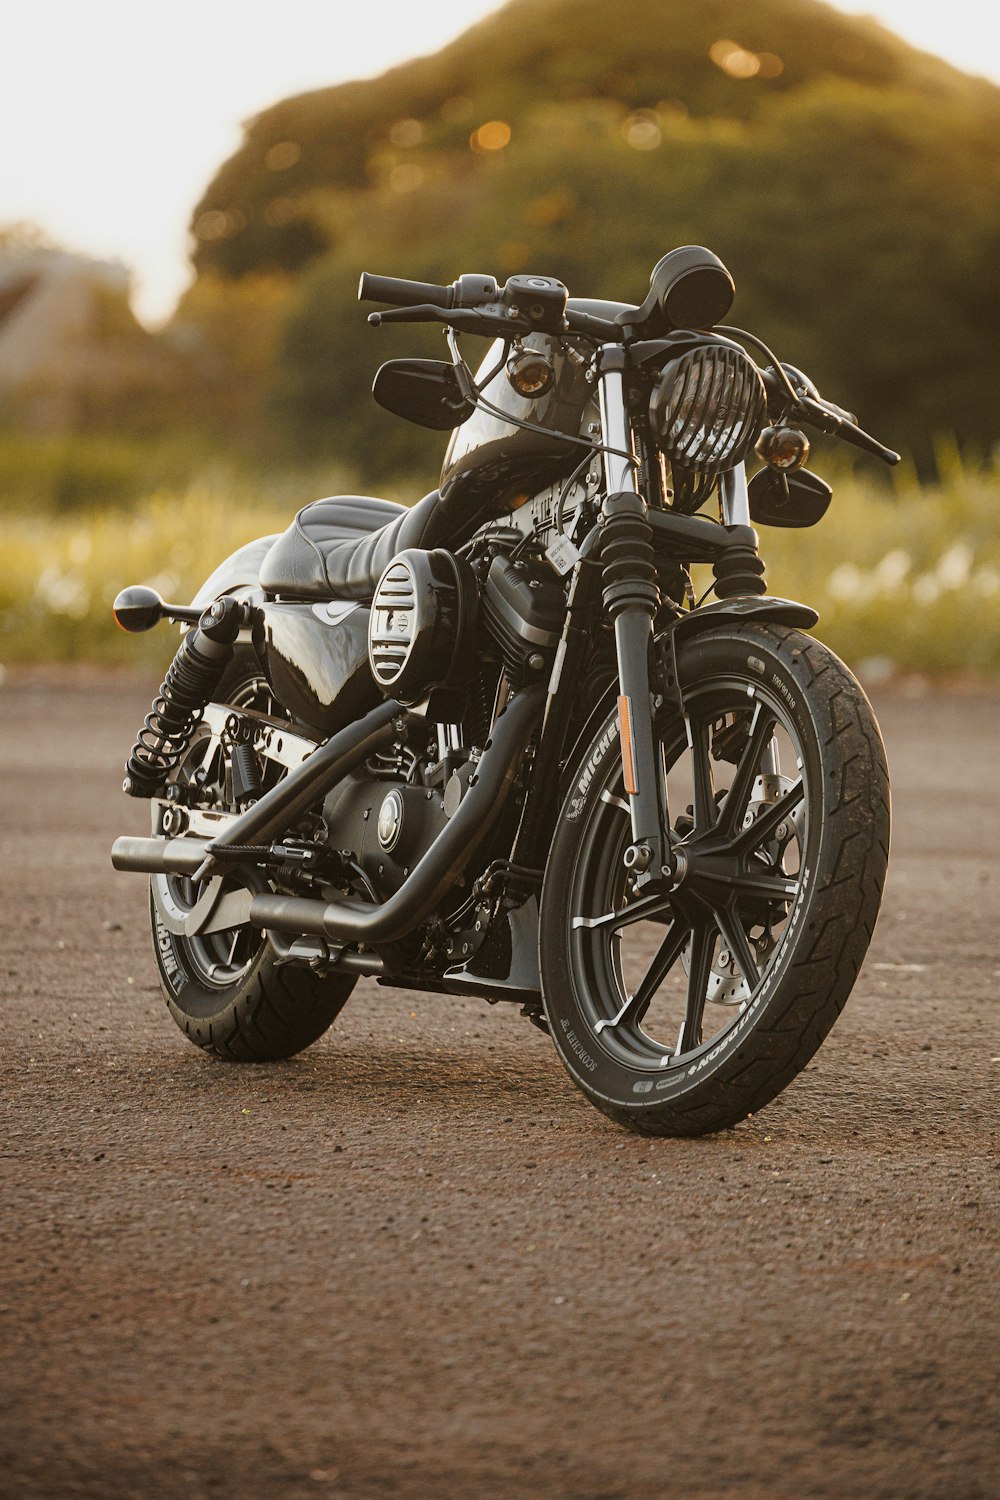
761	607
758	607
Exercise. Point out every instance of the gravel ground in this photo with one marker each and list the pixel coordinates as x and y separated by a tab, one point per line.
414	1262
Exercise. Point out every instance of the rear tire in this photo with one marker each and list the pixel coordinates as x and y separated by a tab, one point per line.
225	990
760	944
266	1013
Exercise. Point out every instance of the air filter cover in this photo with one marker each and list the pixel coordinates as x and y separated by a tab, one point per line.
422	616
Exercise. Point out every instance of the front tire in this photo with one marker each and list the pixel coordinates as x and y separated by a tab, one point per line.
682	1013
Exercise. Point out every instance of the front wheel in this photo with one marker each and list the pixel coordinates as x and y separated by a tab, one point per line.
683	1010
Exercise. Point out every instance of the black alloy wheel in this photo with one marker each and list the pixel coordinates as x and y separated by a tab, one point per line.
685	1008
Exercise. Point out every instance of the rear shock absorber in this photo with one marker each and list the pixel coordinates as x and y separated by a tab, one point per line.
186	690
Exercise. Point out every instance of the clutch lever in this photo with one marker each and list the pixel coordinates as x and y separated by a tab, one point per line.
486	320
810	406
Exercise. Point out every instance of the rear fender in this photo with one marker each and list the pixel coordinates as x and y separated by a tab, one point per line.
240	573
314	656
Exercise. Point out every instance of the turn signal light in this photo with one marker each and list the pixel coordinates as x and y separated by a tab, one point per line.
782	448
530	373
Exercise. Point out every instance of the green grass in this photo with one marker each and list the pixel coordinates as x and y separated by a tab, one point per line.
65	473
59	575
911	578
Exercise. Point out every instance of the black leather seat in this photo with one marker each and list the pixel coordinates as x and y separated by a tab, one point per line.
339	548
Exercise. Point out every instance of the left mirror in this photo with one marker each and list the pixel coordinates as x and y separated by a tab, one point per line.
424	391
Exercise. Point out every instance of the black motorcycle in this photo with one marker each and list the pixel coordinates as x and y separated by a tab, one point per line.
491	744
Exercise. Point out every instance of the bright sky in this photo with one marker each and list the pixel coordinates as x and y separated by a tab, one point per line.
114	114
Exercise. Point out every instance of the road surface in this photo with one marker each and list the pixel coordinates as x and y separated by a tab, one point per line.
414	1262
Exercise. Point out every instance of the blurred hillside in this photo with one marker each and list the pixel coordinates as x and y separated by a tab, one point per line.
848	181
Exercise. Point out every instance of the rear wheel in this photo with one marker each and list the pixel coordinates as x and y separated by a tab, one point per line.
685	1010
218	974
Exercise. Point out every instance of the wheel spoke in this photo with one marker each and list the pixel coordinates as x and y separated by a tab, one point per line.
720	887
667	954
765	887
734	809
763	826
705	806
636	911
733	935
702	950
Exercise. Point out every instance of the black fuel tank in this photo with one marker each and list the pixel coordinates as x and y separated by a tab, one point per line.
316	660
490	460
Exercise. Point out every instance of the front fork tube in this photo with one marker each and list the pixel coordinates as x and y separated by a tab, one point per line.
735	497
642	763
631	599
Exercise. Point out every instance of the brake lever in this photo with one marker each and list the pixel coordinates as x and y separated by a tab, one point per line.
423	312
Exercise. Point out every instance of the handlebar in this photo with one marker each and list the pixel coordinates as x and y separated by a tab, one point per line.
837	411
476	304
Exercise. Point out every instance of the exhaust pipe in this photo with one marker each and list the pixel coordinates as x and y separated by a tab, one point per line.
350	921
159	856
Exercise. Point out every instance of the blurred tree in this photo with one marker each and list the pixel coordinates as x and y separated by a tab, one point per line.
227	333
256	213
849	181
859	252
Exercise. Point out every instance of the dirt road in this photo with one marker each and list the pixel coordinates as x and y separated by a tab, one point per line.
415	1262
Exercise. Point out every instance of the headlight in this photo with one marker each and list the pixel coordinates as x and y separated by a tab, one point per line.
707	408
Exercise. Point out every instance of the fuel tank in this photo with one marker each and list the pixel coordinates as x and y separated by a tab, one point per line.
315	657
490	459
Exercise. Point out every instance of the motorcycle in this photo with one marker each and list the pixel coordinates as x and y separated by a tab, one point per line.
493	745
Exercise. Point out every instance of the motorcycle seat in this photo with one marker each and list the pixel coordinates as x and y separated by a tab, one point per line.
338	548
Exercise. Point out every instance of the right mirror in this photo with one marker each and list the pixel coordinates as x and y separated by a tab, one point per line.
796	499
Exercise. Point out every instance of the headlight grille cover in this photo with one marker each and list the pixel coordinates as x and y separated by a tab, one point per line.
707	408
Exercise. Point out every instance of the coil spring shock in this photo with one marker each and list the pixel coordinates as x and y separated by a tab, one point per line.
185	692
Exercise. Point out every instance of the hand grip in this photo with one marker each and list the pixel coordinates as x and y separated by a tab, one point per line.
839	423
401	293
868	444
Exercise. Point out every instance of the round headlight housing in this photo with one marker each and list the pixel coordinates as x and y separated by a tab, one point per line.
707	408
